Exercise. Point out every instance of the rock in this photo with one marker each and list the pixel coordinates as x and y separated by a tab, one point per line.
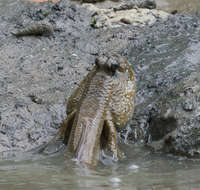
125	21
135	16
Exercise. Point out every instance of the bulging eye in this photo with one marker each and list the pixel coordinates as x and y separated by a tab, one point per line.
97	61
122	63
114	66
100	62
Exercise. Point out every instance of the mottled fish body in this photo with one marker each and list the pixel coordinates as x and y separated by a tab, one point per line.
35	29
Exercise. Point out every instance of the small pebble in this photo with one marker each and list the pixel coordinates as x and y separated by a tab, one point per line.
125	21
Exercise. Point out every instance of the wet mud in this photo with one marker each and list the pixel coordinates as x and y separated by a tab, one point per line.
38	74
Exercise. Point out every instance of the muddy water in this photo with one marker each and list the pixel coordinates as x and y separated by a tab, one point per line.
189	6
140	170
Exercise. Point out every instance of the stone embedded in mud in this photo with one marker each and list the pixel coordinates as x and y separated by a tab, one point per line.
136	16
125	21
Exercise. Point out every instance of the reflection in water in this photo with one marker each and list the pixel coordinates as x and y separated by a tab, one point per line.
189	6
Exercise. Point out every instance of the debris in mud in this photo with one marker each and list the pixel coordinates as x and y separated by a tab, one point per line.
125	21
113	18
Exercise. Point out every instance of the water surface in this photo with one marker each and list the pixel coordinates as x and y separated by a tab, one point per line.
140	170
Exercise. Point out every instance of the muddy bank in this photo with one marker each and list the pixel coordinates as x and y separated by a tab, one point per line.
38	74
168	87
